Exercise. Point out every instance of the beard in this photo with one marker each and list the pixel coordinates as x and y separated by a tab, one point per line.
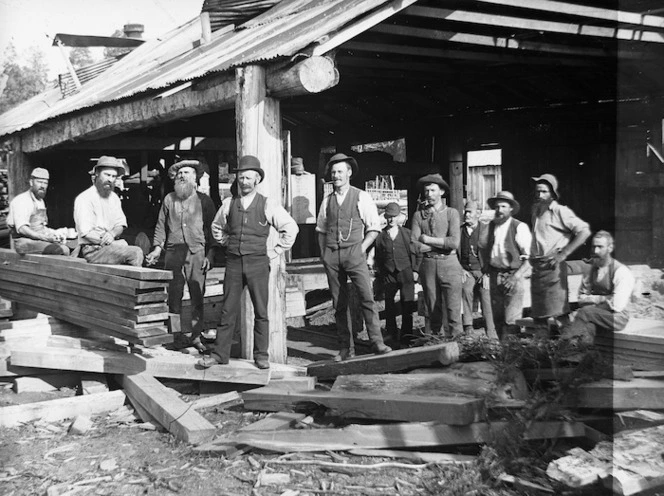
541	206
104	191
40	194
184	189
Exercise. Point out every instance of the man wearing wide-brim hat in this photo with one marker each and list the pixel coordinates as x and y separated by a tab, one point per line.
505	259
100	220
347	225
28	220
243	225
557	233
183	231
435	236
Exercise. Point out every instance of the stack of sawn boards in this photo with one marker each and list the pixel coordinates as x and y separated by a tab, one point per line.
119	300
640	345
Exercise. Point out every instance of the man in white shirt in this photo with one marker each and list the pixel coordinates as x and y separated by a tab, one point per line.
604	292
100	220
28	219
347	226
506	251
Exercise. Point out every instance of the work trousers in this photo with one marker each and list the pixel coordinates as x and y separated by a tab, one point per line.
252	271
26	246
441	277
117	253
472	286
507	305
187	268
548	290
404	282
591	317
340	264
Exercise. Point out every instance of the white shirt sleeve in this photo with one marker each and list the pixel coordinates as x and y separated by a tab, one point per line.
524	238
623	284
285	226
220	222
368	212
321	221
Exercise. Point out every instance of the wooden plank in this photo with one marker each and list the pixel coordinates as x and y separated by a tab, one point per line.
396	361
185	423
446	410
294	383
417	456
218	400
93	383
403	435
62	408
46	382
98	361
619	395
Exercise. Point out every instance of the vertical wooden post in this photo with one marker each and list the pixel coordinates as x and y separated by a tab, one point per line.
258	128
456	164
19	166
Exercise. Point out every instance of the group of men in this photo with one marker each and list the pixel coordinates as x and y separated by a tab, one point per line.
454	261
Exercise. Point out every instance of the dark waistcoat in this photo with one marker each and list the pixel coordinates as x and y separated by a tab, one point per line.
248	229
513	252
344	224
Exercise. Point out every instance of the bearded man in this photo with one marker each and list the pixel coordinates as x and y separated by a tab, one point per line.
28	219
557	233
183	230
100	220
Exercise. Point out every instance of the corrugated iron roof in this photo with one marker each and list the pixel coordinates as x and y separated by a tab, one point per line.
282	31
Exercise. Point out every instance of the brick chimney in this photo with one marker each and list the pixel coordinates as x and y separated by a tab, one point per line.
134	31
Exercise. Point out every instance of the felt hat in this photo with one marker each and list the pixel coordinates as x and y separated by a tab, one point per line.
551	180
107	162
505	196
194	164
392	210
249	162
39	173
340	157
472	205
432	179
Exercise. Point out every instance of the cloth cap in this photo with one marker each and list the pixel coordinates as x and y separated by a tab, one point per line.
340	157
505	196
551	180
432	179
39	173
392	210
109	162
194	164
249	162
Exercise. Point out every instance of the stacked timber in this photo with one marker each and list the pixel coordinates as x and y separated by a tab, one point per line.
118	300
640	345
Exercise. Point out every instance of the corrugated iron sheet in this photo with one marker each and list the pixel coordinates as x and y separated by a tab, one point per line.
85	74
282	31
225	12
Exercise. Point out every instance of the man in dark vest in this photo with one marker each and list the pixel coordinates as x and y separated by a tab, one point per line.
604	292
505	257
394	263
243	224
347	226
435	235
474	281
183	232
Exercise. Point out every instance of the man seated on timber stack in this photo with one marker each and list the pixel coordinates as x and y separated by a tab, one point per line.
28	220
100	220
604	293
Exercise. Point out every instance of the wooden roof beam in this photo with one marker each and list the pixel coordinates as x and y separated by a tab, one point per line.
618	16
500	42
534	24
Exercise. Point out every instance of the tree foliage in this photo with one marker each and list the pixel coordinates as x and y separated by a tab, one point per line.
80	57
115	51
23	80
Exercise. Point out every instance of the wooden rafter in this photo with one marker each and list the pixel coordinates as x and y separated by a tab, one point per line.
499	42
534	24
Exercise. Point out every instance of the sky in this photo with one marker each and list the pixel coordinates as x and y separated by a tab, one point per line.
29	23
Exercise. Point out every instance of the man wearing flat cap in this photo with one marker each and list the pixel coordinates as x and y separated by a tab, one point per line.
347	226
505	259
183	230
243	225
557	233
394	263
28	220
435	235
100	220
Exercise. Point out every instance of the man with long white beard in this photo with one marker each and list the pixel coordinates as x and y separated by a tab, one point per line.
604	292
28	219
183	229
100	220
557	233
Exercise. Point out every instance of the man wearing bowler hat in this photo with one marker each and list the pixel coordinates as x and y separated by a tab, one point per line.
394	263
505	259
28	220
435	235
183	231
557	233
100	220
242	225
347	226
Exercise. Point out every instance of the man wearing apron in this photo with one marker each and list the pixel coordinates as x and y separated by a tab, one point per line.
557	233
28	220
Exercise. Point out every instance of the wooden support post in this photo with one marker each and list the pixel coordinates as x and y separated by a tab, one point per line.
258	121
456	164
